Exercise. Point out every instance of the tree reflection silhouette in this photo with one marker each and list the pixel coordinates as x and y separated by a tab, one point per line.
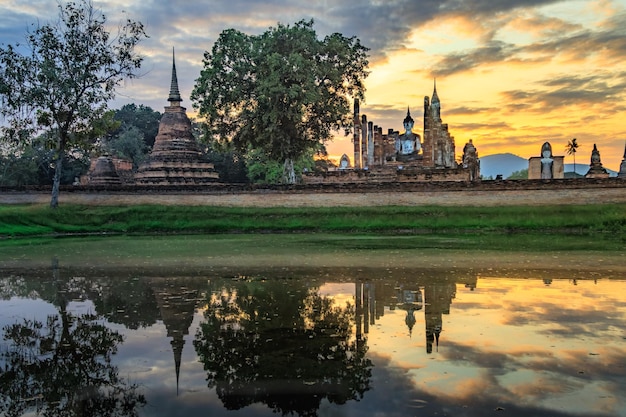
282	345
63	368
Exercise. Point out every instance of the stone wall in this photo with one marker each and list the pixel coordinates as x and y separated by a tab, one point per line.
484	193
388	174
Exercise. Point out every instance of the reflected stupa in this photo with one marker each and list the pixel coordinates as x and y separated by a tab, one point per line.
176	158
177	305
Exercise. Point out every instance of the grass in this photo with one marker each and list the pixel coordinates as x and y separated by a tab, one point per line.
35	220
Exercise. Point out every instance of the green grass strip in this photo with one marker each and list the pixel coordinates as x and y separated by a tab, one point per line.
39	220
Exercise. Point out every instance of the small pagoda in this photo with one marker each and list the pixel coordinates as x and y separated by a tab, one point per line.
103	173
176	157
596	170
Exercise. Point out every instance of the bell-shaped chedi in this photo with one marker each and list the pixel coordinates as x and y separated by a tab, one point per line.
176	158
596	170
103	172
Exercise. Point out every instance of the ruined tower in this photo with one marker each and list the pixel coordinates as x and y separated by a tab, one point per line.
176	157
438	144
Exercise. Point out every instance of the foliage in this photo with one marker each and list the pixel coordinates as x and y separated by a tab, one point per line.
64	80
261	335
262	170
519	175
143	118
571	148
18	169
229	162
63	367
33	164
129	144
281	93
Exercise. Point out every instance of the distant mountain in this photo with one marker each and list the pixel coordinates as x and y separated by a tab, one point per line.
501	164
507	163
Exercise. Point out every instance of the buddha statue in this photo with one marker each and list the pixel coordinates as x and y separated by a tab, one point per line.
471	161
408	144
546	161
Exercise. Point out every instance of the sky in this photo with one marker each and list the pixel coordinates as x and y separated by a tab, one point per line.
510	74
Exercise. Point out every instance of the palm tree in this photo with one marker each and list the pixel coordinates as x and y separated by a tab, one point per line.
571	148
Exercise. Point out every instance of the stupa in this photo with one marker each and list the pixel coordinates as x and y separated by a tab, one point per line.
176	158
103	172
596	170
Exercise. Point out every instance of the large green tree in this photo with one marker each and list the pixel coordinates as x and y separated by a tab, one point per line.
62	79
284	92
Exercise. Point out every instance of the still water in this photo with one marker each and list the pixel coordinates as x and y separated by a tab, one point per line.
398	333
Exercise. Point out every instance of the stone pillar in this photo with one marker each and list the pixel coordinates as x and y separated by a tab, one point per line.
356	137
370	143
364	140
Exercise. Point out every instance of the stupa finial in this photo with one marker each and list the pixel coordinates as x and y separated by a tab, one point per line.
174	97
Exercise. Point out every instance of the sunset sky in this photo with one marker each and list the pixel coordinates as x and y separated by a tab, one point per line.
511	74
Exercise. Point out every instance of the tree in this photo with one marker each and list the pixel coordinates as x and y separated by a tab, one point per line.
260	170
130	144
32	164
519	175
283	92
144	118
287	347
571	148
63	366
63	83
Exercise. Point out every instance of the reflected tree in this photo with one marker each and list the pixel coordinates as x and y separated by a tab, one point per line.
285	346
125	301
63	368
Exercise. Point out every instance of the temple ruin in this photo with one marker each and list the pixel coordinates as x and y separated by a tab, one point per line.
405	156
547	166
176	158
596	170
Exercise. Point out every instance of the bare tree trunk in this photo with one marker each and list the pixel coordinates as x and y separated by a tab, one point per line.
56	182
289	174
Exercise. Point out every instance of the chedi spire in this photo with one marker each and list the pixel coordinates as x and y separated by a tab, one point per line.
174	97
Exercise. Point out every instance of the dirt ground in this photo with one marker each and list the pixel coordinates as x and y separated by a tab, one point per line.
269	198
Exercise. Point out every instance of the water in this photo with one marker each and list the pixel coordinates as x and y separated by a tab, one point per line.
394	334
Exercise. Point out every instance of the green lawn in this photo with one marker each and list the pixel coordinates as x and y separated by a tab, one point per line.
40	221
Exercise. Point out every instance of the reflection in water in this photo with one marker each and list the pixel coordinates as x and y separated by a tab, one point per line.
63	366
285	346
311	342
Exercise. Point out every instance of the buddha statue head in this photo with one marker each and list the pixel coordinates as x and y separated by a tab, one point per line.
408	122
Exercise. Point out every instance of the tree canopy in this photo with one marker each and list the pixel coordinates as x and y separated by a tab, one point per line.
62	79
284	92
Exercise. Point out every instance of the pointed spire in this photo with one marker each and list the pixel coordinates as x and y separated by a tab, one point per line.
625	151
408	117
174	97
435	96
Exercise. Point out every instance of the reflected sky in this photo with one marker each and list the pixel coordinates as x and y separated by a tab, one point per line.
447	342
